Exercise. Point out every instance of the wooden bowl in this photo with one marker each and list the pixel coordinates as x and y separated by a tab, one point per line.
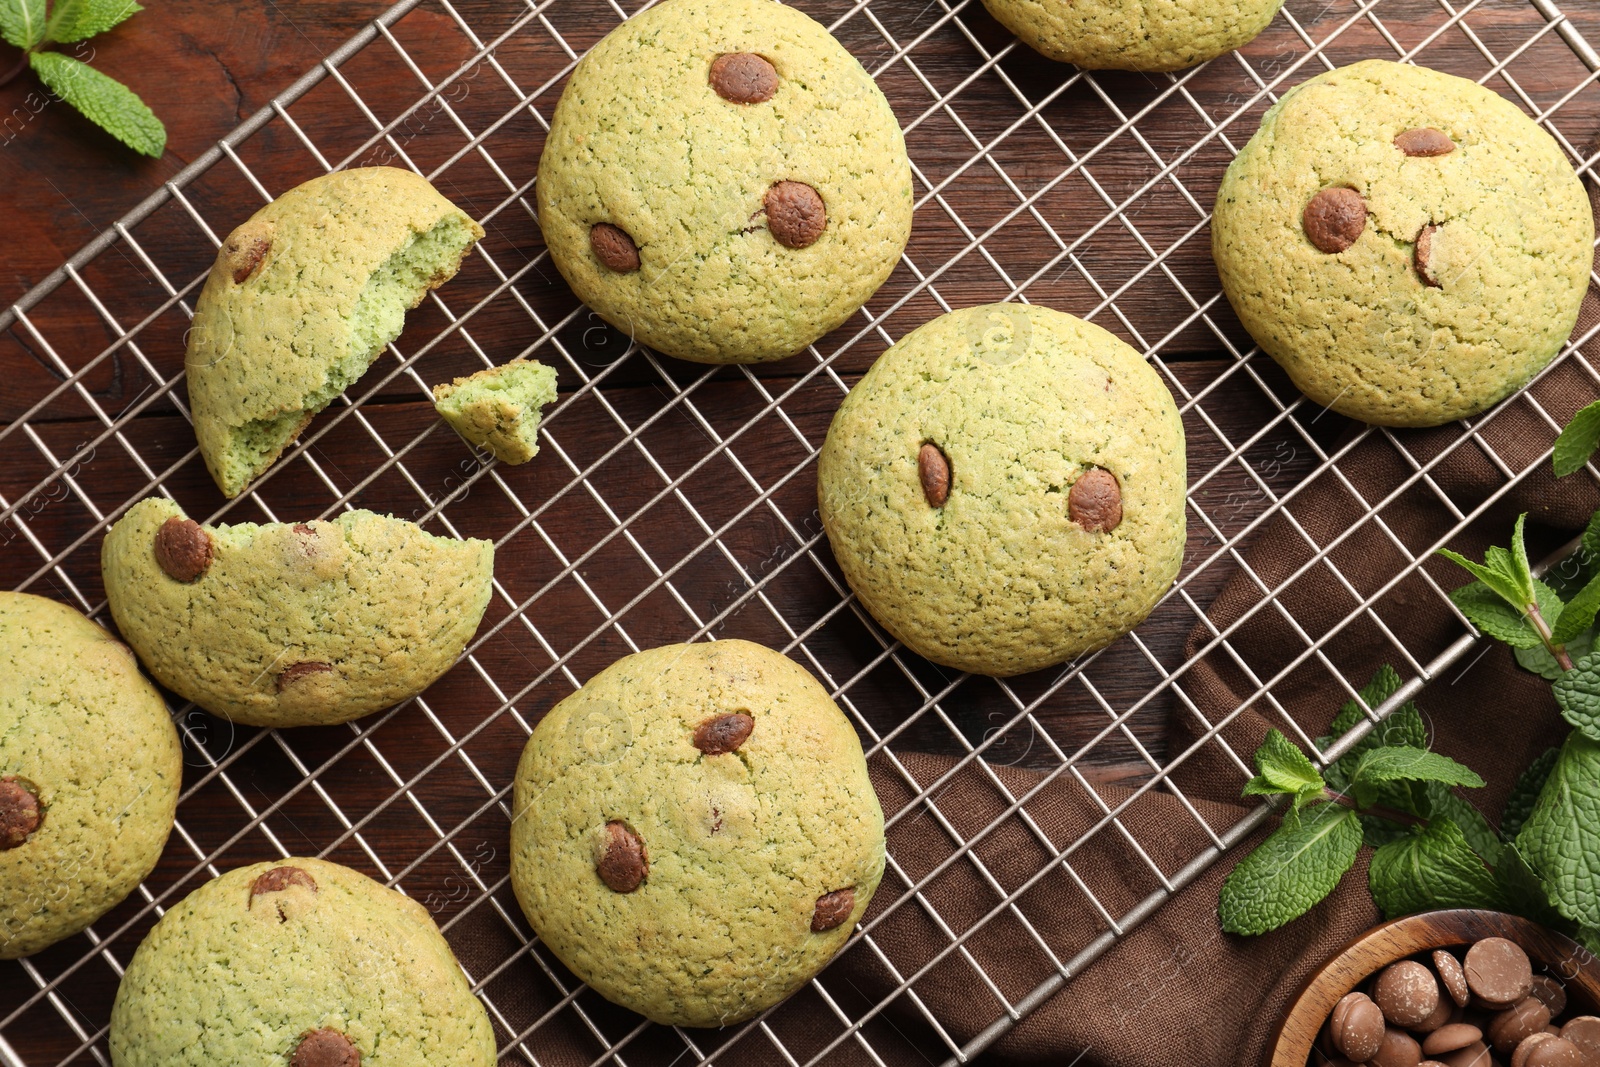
1552	953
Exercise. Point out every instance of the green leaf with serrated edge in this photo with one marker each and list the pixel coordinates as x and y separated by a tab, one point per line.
1402	762
1578	614
1577	692
1502	584
1521	572
1522	892
1539	660
104	101
1404	726
1443	802
1283	769
1492	615
1525	793
75	20
22	22
1289	872
1591	536
1561	838
1429	869
1577	441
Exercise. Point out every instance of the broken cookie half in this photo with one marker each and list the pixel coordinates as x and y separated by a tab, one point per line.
302	298
498	409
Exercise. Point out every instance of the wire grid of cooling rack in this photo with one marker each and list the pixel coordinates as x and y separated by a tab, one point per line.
676	503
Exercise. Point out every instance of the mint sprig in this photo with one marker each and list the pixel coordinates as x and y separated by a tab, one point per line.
1290	871
1510	605
32	27
1561	838
1431	867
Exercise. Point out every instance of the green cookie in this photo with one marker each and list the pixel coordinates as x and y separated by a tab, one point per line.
695	832
723	182
300	961
1004	489
498	408
90	769
293	625
302	298
1410	247
1134	34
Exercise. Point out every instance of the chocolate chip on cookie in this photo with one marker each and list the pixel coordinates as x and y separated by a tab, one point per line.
624	863
244	252
832	909
1334	218
795	214
296	671
1095	501
279	879
1424	141
183	549
19	812
723	733
325	1048
613	247
933	470
744	78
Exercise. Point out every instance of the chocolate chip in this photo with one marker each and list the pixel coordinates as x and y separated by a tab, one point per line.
1498	971
1555	1052
832	909
1334	218
1550	992
1453	977
795	214
1095	501
244	253
1451	1037
933	471
1519	1058
1406	992
624	863
1584	1031
723	733
1399	1049
1424	141
1356	1027
1422	257
325	1048
1474	1055
279	879
19	812
743	77
1523	1019
613	247
296	671
183	549
1440	1016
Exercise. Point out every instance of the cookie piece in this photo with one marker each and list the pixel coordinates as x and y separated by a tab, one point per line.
1147	35
302	298
1056	518
1410	247
723	182
294	625
498	408
696	834
297	962
90	769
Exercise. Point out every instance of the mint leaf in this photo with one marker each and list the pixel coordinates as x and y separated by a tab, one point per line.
1591	534
104	101
1561	838
1521	572
1521	891
1493	615
1578	615
22	22
1443	803
75	20
1578	693
1283	769
1539	660
1404	763
1525	794
1290	871
1501	583
1428	869
1404	726
1577	441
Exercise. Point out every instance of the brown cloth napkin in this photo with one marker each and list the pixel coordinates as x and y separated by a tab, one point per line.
1176	989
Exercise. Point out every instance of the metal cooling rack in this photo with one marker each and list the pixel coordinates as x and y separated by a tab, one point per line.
673	502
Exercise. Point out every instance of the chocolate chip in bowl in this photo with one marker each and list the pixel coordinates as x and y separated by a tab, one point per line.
1461	988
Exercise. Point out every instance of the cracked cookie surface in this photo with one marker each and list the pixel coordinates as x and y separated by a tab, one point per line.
1461	281
708	211
294	624
297	961
1061	517
1151	35
90	769
689	864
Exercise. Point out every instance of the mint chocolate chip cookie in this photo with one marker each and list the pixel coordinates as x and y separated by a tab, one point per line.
302	298
90	770
498	408
1410	247
1004	489
695	832
299	963
723	182
1134	34
293	625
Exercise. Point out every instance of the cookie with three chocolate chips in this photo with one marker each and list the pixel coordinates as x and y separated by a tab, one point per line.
1408	245
723	181
302	963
